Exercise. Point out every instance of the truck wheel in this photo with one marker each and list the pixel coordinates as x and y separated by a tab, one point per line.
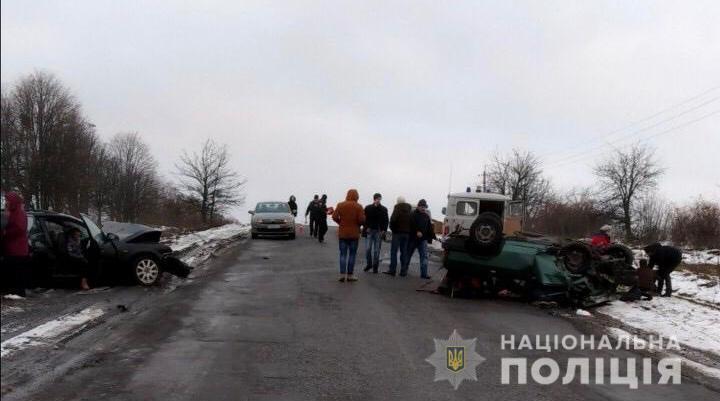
576	257
486	233
146	271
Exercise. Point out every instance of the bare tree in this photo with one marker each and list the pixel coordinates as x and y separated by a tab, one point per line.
623	177
208	180
45	143
131	177
519	175
653	218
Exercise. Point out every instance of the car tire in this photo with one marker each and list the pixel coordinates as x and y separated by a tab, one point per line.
618	251
486	233
146	270
291	236
254	236
576	257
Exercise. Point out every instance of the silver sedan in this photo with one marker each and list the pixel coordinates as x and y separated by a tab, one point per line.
272	219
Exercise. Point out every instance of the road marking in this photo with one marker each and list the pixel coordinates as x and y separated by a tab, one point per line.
46	333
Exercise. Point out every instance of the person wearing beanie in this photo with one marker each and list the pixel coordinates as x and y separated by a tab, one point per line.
349	215
376	224
400	225
421	234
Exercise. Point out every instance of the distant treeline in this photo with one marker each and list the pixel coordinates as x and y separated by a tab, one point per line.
53	156
624	197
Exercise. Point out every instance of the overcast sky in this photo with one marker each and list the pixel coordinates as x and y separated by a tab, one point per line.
321	96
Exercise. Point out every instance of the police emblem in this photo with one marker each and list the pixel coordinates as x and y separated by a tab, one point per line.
455	359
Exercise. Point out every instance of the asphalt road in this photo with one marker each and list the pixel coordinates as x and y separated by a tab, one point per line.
267	320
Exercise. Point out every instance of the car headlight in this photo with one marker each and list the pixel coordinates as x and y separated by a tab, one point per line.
288	221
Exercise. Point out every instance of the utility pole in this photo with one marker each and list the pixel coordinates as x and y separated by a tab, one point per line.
484	178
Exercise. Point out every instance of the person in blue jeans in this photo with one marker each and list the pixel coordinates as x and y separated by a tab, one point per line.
348	251
376	224
349	215
400	225
421	235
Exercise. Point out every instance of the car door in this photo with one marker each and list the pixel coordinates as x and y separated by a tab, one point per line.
43	258
103	248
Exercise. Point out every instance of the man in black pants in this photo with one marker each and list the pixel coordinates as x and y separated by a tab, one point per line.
666	258
312	206
321	226
376	224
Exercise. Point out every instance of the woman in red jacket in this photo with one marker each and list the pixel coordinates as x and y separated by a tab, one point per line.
15	242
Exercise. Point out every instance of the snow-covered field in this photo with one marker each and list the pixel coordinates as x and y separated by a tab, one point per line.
702	289
694	325
690	257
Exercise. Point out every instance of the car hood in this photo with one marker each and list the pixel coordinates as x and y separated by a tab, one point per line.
132	233
273	216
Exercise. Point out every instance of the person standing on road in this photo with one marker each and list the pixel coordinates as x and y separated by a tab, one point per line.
349	216
15	249
400	225
322	219
311	211
666	258
293	205
421	234
376	224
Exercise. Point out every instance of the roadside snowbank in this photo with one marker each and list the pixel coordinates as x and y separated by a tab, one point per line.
198	238
694	325
197	247
49	331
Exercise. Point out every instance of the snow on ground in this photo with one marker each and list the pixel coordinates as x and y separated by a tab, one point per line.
197	247
690	257
51	330
705	289
694	325
202	237
637	342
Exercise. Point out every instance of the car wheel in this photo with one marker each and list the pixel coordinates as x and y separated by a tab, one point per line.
576	257
146	271
618	251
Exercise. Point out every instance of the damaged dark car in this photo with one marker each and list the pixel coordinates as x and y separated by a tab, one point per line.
121	252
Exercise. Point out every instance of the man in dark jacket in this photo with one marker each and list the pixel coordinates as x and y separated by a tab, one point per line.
321	218
15	249
312	211
400	225
666	258
376	224
293	205
421	234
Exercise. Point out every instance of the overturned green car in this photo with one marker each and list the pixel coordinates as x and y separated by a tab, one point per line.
482	260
